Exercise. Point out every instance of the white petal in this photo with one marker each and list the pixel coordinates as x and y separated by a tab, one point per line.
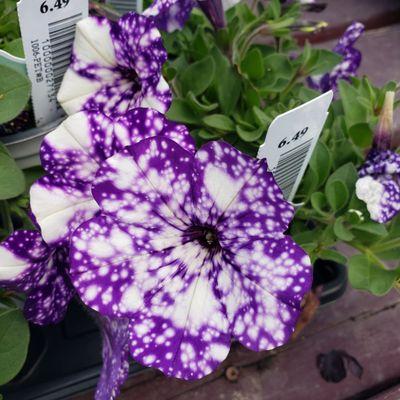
11	265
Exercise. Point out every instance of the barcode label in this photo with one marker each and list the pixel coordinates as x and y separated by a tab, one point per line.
48	30
289	164
124	6
290	141
61	34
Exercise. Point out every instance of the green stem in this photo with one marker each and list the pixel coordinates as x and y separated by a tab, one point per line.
387	245
369	254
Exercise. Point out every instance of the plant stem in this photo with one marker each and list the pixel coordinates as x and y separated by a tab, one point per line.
6	216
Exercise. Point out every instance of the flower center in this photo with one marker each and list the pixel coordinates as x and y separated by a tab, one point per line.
206	236
130	75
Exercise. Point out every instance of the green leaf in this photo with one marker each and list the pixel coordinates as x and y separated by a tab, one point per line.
180	111
15	89
341	231
373	228
333	255
219	121
207	135
14	340
252	64
198	76
323	61
260	117
279	71
200	107
355	112
347	174
336	194
15	48
361	134
321	162
365	275
12	180
249	136
319	202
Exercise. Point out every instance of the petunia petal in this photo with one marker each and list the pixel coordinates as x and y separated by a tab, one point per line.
114	265
60	207
48	300
238	192
115	352
379	185
151	177
170	15
261	284
183	329
23	256
115	66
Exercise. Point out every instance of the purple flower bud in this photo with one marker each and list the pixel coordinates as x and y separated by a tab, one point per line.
214	11
384	130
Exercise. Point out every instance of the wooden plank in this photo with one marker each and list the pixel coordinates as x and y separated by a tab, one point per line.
348	324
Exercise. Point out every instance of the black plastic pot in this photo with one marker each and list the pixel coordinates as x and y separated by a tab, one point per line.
65	359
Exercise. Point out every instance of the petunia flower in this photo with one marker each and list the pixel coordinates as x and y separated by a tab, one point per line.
191	248
71	156
115	66
171	15
347	67
28	265
115	344
379	182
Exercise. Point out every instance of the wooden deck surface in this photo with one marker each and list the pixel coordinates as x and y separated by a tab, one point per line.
366	327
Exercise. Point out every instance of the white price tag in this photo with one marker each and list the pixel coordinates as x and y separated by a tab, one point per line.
291	139
124	6
48	30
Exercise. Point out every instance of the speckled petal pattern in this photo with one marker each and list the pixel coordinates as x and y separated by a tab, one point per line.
238	193
49	297
28	265
348	66
170	15
23	257
116	66
174	251
115	339
71	155
379	184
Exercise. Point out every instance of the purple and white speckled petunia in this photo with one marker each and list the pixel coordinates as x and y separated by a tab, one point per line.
379	182
347	67
115	338
171	15
191	248
28	265
115	66
71	155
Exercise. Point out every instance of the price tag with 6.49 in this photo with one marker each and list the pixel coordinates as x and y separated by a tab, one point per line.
291	139
57	5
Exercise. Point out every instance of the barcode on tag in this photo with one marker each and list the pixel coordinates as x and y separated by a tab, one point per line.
124	6
289	163
61	34
47	31
290	141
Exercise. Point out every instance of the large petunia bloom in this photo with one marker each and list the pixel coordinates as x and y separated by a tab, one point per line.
71	156
347	67
191	248
171	15
379	182
29	266
115	66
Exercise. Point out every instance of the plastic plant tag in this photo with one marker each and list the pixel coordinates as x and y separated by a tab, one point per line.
47	30
291	139
123	6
